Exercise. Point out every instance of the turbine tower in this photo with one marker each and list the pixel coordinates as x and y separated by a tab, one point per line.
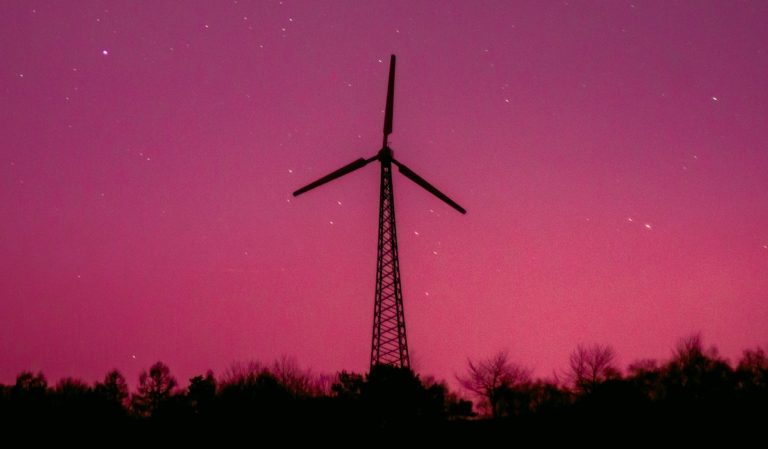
389	345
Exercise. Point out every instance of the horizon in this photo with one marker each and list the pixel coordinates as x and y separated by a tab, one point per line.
560	377
612	158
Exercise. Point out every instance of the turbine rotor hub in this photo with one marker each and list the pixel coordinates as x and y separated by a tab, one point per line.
386	154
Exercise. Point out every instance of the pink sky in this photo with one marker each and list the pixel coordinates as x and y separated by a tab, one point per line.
612	157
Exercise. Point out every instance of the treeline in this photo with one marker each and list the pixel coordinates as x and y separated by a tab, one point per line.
696	385
246	396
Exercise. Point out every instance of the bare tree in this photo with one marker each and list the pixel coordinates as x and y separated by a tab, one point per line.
691	350
71	387
696	371
323	384
490	379
239	373
592	365
285	371
753	369
292	377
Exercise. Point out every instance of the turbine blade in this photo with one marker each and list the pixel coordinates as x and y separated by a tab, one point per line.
390	99
410	174
360	163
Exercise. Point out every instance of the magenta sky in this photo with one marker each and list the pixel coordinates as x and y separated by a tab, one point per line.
612	156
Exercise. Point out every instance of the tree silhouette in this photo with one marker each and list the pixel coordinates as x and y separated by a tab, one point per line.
154	391
348	385
395	397
492	379
114	389
251	393
645	376
696	377
753	369
29	383
752	385
201	393
112	396
28	399
73	401
592	365
297	381
547	398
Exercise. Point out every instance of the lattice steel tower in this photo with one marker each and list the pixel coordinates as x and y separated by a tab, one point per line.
389	344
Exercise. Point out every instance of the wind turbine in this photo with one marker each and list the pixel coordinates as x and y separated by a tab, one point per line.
389	345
